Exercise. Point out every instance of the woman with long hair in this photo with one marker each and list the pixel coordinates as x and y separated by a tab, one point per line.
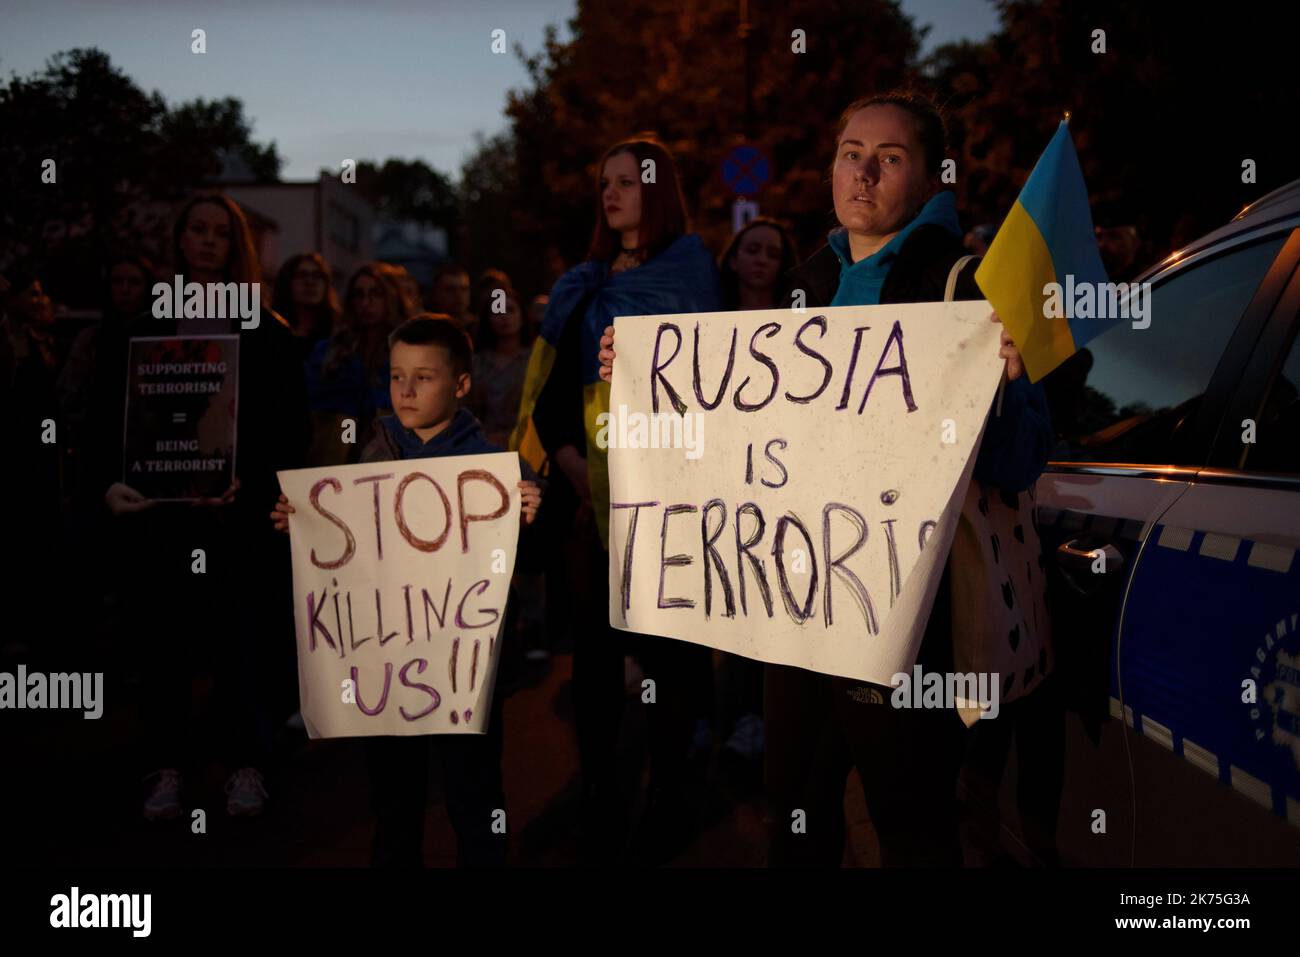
305	296
487	282
752	269
208	589
754	264
128	281
504	343
211	242
28	320
347	374
501	351
642	261
898	240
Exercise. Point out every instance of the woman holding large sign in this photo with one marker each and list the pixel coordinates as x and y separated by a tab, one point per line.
189	488
642	261
898	242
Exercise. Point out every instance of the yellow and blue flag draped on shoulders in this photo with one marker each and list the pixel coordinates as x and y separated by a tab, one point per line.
680	279
1046	238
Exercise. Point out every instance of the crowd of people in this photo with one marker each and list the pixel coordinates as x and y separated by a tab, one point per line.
317	381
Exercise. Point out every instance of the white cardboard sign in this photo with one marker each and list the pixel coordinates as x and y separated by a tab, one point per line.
401	572
785	484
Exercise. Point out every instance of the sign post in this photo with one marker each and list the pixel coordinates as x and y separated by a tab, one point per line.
745	171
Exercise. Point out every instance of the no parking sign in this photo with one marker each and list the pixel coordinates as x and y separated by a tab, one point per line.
745	170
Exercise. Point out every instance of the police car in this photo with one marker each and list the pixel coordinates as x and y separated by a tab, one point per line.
1170	519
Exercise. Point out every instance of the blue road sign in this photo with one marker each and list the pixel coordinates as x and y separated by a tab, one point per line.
745	170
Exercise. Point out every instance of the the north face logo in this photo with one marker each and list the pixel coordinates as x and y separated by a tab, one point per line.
865	695
1283	695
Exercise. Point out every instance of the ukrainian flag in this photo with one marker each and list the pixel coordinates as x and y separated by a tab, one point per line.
680	279
1046	237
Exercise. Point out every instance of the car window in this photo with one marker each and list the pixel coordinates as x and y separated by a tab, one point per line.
1277	433
1123	397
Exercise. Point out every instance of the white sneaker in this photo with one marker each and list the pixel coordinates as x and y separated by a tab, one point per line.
246	794
747	739
164	801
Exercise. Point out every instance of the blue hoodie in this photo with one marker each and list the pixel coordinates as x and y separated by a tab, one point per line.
861	282
464	436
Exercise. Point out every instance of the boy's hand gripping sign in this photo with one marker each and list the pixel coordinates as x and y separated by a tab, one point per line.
785	484
401	572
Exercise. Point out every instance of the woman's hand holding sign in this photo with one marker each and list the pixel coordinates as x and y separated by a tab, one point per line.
280	514
530	499
225	498
606	354
1008	351
121	499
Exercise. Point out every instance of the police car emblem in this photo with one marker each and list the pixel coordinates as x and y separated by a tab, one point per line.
1277	676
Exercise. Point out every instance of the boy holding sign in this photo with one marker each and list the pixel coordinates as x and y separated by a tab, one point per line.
430	361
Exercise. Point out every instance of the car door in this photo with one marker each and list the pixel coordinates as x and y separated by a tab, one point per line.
1209	656
1137	413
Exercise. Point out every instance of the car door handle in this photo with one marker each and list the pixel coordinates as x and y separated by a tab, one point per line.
1075	557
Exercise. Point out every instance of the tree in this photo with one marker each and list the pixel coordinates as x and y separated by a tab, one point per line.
113	146
199	137
492	214
678	70
410	189
99	130
1162	120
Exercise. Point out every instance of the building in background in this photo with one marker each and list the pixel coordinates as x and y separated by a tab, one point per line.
419	247
325	216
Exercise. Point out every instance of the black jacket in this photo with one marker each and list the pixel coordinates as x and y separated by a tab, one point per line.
919	274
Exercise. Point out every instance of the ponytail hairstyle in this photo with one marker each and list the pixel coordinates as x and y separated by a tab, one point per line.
325	314
930	129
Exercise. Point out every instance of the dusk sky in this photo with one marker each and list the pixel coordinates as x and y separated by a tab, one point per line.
334	79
